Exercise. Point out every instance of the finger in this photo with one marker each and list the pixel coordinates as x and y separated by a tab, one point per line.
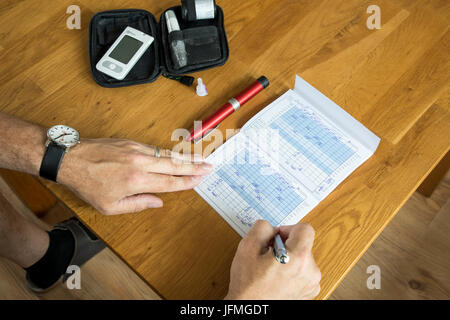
261	234
152	150
177	168
176	156
298	237
163	153
312	294
183	157
285	231
136	203
166	183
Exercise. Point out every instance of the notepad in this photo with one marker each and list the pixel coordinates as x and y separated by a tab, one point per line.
285	160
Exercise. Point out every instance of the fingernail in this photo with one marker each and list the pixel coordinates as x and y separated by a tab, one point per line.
198	158
156	205
196	179
207	166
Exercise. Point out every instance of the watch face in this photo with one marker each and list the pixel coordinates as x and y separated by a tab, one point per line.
63	135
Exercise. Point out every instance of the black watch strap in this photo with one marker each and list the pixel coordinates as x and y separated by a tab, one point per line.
51	161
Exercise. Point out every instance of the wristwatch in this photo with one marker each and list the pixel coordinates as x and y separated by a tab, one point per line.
60	139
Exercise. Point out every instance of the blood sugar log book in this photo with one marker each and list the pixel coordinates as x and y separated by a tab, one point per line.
285	160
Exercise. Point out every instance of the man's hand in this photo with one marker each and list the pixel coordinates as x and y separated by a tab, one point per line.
118	176
255	274
114	176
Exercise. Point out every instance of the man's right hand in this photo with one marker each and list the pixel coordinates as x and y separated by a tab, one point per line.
256	275
119	176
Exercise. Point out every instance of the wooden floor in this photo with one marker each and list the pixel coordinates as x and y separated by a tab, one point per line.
413	253
104	277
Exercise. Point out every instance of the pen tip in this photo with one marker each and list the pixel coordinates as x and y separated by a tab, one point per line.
284	259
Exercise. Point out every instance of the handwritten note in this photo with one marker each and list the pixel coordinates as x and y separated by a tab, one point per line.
285	160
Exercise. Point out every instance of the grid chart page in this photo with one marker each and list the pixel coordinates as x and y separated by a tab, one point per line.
311	148
247	187
281	178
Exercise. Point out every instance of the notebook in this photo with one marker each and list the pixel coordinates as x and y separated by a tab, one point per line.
285	160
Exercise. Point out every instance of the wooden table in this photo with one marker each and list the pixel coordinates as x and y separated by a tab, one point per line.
394	80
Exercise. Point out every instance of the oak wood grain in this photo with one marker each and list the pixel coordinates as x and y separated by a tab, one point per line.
393	80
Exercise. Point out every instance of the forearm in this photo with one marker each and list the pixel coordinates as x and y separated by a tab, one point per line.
21	145
114	176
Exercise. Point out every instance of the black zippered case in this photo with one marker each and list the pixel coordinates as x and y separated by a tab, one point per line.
105	27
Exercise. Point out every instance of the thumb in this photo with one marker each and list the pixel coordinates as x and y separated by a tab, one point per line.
137	203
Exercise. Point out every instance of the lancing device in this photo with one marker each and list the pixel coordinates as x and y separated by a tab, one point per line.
176	41
279	250
228	108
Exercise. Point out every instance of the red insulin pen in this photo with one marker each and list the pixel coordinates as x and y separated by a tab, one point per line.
228	108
